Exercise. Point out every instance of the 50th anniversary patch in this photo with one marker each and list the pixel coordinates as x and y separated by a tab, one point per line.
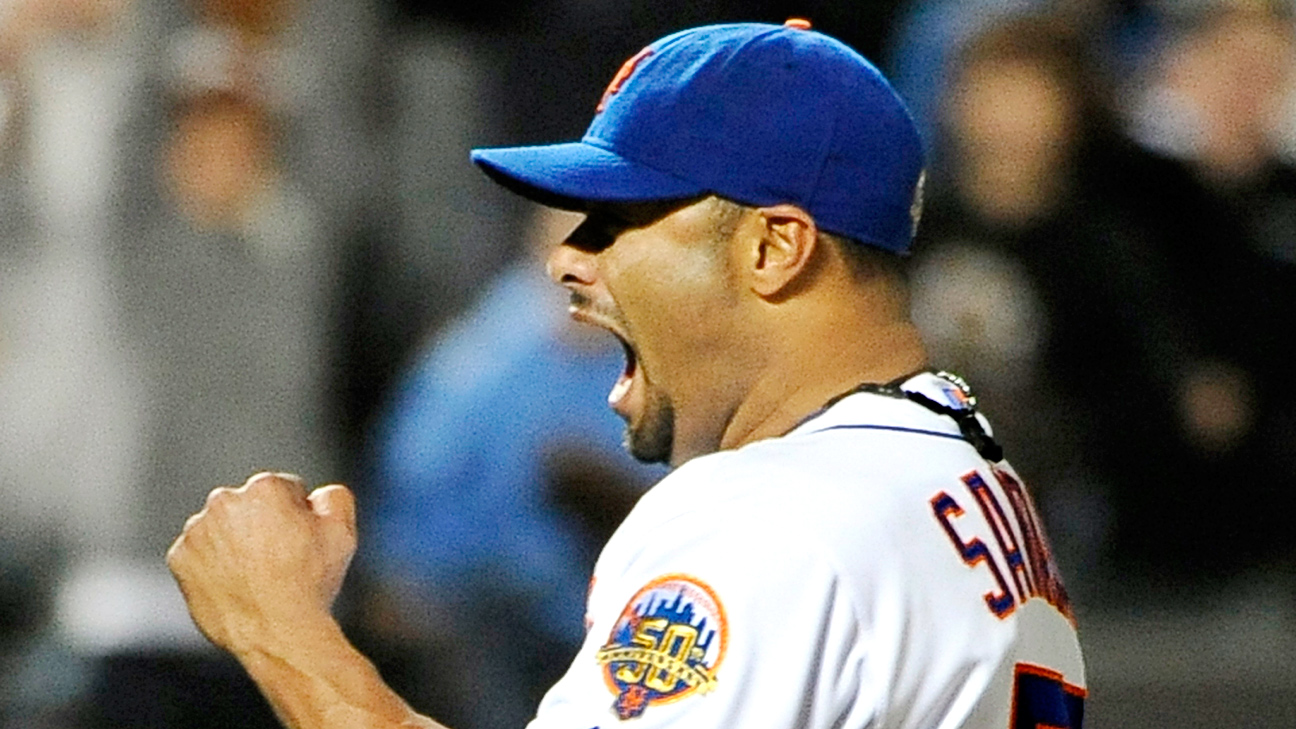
667	645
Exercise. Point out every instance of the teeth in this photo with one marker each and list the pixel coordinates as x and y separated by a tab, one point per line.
619	390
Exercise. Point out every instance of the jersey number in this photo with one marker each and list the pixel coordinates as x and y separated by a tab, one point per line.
1042	700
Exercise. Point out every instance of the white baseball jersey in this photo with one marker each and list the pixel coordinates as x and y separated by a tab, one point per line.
868	569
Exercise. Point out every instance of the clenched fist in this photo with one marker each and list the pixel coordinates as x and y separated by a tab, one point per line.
264	561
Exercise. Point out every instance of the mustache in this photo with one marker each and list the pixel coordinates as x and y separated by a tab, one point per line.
580	301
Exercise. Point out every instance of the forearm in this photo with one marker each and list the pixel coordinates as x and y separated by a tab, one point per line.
315	679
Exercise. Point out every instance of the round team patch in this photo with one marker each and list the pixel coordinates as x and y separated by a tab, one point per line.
667	644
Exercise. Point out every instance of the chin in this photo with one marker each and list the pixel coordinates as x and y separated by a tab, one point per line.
652	439
648	448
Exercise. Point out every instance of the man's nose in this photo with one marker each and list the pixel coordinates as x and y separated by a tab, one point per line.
570	266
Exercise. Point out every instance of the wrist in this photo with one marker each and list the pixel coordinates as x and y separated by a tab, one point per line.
314	678
293	641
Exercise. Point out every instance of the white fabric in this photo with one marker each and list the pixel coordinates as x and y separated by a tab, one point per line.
846	602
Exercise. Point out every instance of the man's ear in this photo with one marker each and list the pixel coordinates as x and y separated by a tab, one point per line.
784	250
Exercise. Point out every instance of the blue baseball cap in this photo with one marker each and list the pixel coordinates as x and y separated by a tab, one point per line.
757	113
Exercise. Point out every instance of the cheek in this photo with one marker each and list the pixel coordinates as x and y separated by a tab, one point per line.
678	311
684	285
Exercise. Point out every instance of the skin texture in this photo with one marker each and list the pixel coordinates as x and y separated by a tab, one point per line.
673	306
742	321
260	567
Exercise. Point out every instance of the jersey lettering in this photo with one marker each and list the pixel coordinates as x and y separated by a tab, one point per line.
1043	700
1002	530
974	552
1022	550
1044	571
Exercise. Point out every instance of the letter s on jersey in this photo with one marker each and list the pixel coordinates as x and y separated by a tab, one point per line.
1014	530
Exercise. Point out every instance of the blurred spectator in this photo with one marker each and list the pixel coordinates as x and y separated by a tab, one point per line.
1036	239
1113	307
929	33
1214	102
227	298
329	82
1216	93
226	289
499	474
71	422
438	230
255	21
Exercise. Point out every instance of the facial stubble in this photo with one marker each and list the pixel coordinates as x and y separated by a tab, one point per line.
652	439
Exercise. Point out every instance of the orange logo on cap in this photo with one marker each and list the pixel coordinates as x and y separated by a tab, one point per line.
619	79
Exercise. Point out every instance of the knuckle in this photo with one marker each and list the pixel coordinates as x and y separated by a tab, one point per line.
291	478
267	479
275	488
175	553
217	497
258	480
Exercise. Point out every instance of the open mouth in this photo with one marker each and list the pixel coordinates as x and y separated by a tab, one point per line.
625	395
619	397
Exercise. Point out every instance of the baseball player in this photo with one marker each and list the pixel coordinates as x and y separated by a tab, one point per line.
841	543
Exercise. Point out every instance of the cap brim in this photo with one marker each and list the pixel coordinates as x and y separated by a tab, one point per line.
573	175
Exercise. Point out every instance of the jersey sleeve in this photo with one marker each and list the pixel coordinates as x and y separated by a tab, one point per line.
705	621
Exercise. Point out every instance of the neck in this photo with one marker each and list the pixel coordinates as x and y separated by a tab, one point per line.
798	384
791	343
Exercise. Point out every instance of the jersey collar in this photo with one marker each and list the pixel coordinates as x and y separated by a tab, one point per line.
930	402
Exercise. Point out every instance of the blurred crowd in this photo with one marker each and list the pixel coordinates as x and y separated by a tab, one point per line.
244	235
